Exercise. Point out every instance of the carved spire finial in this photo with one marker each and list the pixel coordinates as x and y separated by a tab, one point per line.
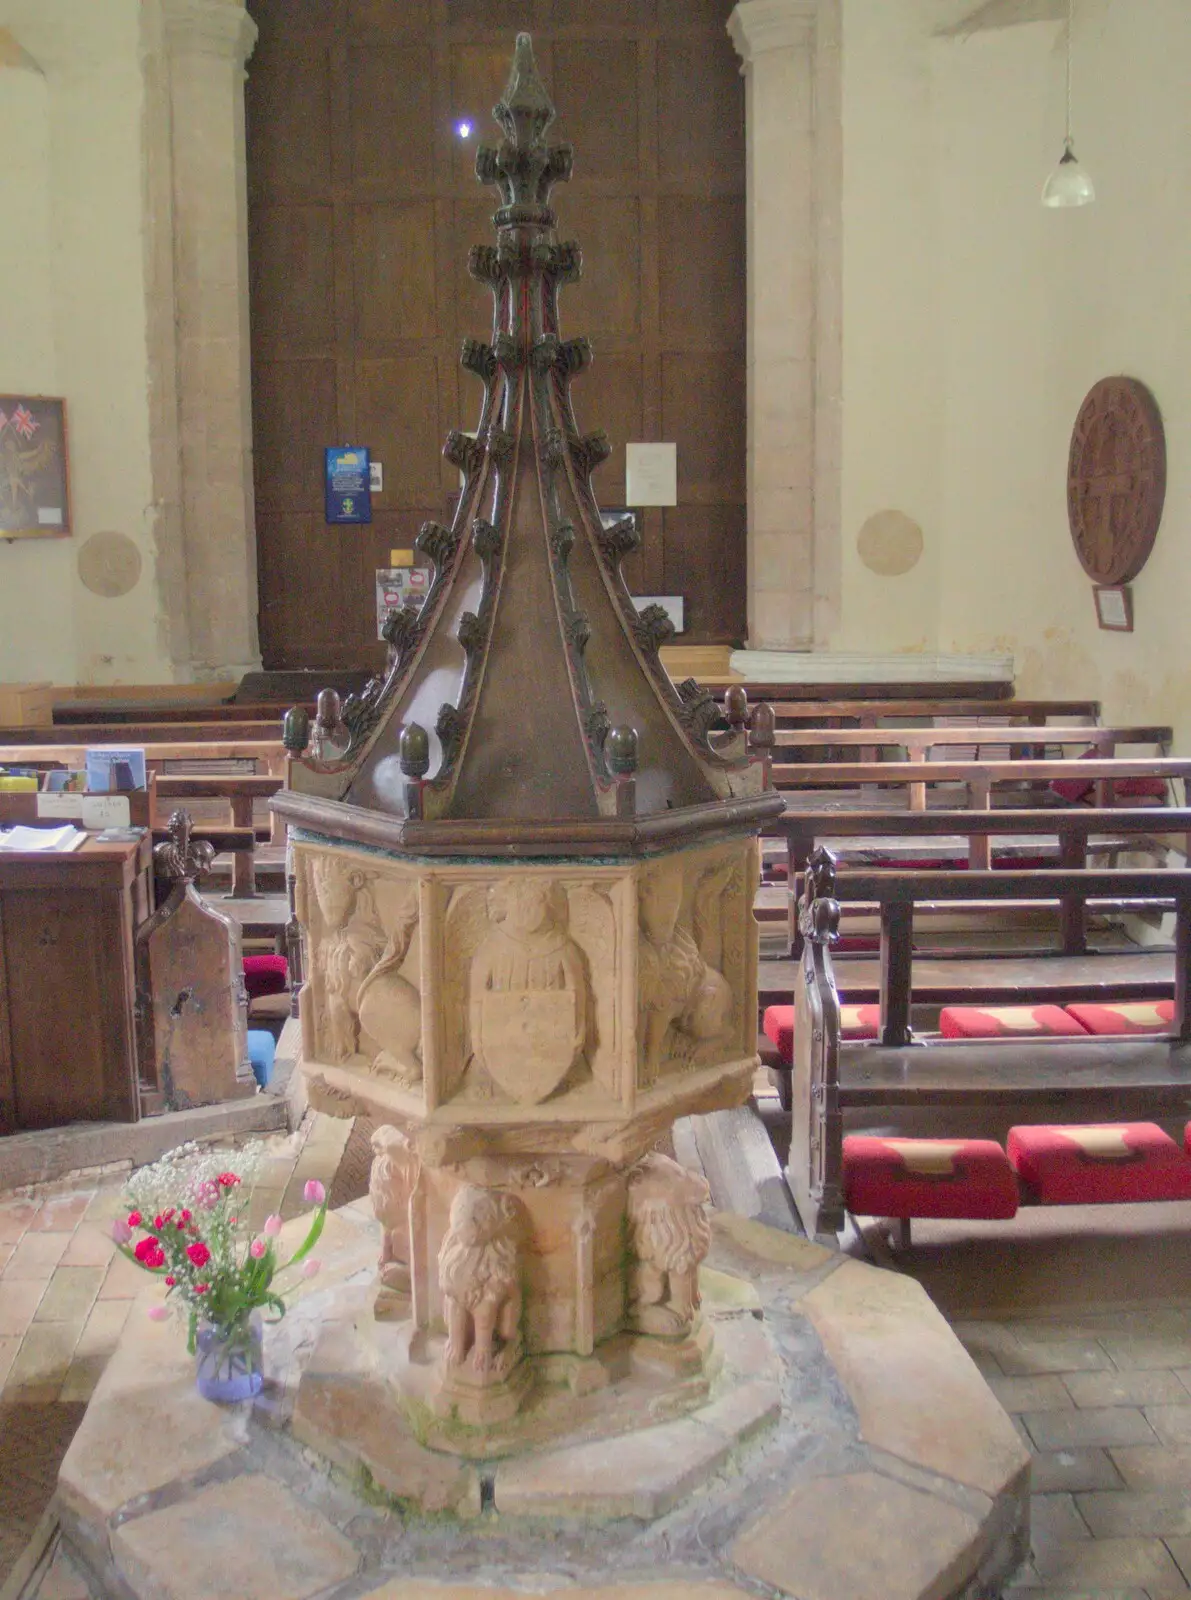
525	110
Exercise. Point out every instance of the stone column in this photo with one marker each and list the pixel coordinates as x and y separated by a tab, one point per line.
791	55
207	44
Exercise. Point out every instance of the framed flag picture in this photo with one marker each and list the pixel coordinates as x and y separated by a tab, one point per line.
34	476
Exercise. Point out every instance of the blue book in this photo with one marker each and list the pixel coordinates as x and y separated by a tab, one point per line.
110	770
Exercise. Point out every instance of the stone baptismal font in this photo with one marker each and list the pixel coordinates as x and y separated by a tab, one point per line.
524	867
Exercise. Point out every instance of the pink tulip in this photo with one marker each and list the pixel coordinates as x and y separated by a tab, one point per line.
310	1268
121	1232
314	1192
257	1249
157	1313
272	1226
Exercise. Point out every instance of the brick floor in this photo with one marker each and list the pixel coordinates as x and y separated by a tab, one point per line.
1111	1510
65	1295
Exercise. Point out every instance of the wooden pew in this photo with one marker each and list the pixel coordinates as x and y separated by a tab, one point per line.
1073	831
1072	1079
265	731
919	742
977	778
240	790
878	713
266	754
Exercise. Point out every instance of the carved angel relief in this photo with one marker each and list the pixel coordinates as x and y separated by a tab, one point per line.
529	990
685	1002
368	1010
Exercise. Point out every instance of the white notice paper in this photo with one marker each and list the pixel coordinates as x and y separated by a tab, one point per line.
105	811
651	474
42	840
61	805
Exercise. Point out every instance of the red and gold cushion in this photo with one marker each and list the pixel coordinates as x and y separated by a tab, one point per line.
968	1178
1075	790
1134	1016
1007	1022
265	975
1100	1164
856	1022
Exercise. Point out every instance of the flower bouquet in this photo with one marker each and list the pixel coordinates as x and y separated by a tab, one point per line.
187	1224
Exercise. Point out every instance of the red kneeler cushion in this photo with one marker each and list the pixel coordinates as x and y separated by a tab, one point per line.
856	1022
1100	1164
265	975
1007	1022
968	1178
1134	1016
1073	790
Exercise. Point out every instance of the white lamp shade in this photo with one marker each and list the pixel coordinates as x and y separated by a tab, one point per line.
1068	184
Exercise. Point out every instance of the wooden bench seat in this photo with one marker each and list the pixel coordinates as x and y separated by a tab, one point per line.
918	743
1076	1077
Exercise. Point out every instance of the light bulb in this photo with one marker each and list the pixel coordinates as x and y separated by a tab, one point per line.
1068	184
463	129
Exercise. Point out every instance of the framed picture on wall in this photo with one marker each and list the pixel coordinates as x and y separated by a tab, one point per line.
34	473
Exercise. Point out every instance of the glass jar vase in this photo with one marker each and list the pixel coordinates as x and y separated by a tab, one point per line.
228	1360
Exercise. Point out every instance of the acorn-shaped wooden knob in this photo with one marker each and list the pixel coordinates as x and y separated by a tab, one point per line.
329	712
620	751
413	751
295	730
736	707
763	731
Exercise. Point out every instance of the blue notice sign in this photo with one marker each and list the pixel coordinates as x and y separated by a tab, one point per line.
348	495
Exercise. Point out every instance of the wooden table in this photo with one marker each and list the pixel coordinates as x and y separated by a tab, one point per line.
67	983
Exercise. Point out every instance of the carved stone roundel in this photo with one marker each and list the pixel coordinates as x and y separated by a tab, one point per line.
1116	479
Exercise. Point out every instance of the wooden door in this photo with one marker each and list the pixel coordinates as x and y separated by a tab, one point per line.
362	207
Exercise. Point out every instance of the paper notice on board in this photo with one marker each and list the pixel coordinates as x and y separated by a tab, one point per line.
105	810
651	474
60	805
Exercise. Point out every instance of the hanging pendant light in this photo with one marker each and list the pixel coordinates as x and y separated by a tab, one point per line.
1068	184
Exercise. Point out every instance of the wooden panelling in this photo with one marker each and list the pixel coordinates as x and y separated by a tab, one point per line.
598	93
363	206
700	136
392	119
705	549
702	270
292	275
703	404
295	415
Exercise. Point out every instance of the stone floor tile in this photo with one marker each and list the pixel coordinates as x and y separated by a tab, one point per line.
859	1537
1123	1513
1180	1549
1143	1351
247	1538
124	1280
1029	1357
90	1246
18	1301
105	1205
676	1589
1031	1394
1172	1424
771	1245
1056	1517
1056	1471
6	1251
940	1414
61	1582
1153	1467
1111	1563
15	1217
1107	1425
36	1256
41	1363
1137	1387
71	1294
9	1345
61	1213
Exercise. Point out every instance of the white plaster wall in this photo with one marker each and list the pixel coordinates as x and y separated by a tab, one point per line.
73	317
892	390
1036	306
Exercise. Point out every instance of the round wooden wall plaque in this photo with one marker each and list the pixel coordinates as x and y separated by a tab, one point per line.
1116	479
